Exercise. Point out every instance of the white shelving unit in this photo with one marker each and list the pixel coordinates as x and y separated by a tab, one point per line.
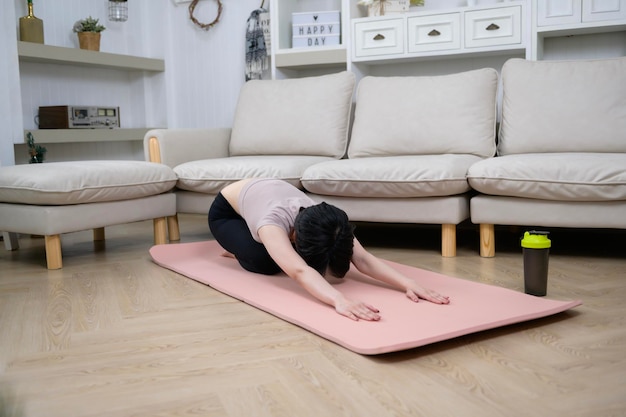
77	58
441	37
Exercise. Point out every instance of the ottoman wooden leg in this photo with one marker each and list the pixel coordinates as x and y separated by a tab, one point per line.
53	252
487	241
160	231
98	234
10	241
172	226
448	240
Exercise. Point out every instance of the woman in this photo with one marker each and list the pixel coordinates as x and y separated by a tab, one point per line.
269	226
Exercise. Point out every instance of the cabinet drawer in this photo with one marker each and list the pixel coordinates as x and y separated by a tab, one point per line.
434	33
492	27
380	37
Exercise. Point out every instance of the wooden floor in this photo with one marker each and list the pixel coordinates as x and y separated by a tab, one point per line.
112	334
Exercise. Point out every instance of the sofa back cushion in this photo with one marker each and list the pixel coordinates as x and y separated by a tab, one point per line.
563	106
302	116
453	114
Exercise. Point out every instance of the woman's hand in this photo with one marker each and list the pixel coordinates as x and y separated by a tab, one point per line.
356	310
415	292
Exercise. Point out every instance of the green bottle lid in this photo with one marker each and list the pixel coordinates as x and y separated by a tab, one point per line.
536	240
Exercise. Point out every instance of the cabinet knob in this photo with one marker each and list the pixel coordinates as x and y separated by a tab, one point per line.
434	32
492	26
379	37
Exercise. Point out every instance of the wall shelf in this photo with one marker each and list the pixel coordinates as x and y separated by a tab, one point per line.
86	135
49	54
295	58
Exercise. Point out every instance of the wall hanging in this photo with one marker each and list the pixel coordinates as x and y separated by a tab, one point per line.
205	26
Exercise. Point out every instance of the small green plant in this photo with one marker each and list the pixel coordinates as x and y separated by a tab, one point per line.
88	25
37	152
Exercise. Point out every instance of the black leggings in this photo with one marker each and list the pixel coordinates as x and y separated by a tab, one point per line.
232	233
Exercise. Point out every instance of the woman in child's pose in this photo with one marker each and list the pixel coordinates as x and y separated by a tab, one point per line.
269	226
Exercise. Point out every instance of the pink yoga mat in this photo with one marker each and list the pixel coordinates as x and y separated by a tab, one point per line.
404	324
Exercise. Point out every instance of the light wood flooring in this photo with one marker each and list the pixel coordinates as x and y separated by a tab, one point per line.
112	334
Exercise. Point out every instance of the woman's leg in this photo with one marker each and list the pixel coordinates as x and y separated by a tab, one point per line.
232	233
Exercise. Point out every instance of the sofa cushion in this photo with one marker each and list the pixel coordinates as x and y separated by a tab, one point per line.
563	106
555	176
302	116
426	115
392	177
209	176
76	182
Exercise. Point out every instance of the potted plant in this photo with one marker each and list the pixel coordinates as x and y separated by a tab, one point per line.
88	31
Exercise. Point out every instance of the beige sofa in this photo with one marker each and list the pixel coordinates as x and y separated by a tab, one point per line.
412	141
562	149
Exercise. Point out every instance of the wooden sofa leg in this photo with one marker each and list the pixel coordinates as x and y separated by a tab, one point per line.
172	226
487	241
448	240
54	257
98	234
160	231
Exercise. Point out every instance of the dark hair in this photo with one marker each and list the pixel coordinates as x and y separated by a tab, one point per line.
324	238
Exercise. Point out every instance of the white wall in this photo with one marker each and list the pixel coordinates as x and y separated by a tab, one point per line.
205	69
10	103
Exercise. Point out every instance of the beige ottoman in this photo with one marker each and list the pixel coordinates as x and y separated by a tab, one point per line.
60	197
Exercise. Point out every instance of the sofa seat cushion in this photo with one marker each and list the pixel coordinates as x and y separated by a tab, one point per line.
209	176
557	176
391	177
300	116
563	106
426	115
78	182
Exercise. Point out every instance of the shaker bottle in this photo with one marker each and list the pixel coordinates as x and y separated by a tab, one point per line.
536	248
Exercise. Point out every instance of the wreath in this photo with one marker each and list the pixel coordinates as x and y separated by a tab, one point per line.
205	26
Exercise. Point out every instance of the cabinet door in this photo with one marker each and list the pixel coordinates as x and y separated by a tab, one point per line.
558	12
597	10
379	37
492	27
434	33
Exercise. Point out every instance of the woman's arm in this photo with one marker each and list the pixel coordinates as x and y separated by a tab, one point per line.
279	247
372	266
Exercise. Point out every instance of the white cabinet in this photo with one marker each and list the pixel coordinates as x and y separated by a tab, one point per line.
599	10
568	12
558	12
555	19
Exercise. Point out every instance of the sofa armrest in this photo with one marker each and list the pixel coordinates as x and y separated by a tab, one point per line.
173	147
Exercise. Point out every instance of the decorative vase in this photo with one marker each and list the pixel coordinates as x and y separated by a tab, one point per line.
89	40
31	27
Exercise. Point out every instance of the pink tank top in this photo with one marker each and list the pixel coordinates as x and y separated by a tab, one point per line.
268	201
